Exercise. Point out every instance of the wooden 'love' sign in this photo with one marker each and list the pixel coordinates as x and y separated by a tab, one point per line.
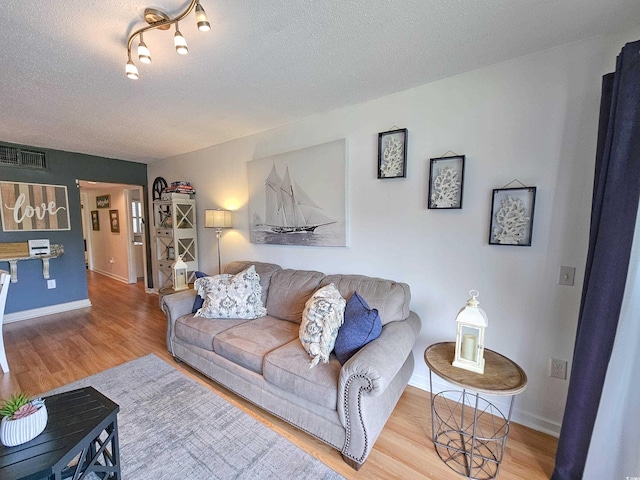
34	206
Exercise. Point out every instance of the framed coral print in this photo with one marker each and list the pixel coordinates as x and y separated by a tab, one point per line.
512	216
392	154
446	178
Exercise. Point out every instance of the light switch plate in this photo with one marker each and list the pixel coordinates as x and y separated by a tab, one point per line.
567	276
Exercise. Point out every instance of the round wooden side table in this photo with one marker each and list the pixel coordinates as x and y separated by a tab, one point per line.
469	432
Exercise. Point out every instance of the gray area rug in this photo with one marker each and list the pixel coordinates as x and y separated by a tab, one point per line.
171	427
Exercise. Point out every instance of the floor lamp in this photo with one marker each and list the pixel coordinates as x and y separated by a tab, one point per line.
218	219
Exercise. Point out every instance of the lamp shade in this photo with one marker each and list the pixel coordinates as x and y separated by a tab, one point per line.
217	219
143	52
180	42
131	70
201	19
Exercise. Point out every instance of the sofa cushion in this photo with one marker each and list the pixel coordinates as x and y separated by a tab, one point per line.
323	314
200	331
287	367
390	298
264	270
227	296
361	325
248	343
289	290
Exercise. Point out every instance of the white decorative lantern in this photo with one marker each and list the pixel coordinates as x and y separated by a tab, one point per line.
471	322
179	275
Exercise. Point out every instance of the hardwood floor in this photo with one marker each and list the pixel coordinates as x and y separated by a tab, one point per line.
125	323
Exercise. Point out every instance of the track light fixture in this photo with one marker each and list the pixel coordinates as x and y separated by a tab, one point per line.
160	20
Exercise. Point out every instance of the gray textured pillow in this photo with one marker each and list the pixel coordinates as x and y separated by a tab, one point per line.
227	296
322	316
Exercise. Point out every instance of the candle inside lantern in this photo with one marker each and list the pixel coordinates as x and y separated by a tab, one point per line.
469	344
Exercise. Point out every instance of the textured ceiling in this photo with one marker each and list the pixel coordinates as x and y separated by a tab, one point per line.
263	64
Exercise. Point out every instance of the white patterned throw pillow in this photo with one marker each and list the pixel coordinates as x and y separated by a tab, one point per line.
321	319
231	296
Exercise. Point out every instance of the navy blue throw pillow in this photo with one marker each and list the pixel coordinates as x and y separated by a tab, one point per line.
197	304
361	325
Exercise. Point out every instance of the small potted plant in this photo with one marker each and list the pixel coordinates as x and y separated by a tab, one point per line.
23	419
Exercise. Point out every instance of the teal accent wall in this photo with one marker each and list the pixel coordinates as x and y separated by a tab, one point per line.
63	168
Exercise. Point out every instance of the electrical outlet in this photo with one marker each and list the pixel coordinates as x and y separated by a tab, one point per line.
558	369
51	283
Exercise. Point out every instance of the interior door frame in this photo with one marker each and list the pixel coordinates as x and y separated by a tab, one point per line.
86	222
131	254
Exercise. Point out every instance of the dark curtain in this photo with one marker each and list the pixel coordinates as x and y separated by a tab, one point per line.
614	207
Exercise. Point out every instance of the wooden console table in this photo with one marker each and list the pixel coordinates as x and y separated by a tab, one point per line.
469	432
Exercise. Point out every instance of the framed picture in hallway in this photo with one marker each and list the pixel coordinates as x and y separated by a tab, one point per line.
114	221
103	201
95	220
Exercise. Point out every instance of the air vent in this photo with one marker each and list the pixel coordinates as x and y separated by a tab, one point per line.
32	159
9	156
18	157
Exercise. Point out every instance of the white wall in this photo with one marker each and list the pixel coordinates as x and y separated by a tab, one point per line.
533	119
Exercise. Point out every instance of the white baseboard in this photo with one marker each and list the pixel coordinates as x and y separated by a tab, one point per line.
111	275
519	416
50	310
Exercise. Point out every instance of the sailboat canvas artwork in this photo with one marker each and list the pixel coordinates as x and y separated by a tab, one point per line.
298	197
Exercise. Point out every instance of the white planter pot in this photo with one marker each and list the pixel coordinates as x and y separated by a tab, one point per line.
17	432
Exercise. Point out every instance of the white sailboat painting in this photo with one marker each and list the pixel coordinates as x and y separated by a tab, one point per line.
298	198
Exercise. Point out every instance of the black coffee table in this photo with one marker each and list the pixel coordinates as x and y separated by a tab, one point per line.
82	423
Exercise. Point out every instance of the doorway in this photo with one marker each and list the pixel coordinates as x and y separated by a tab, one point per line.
113	225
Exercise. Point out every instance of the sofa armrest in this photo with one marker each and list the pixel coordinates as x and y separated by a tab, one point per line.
369	386
174	306
380	360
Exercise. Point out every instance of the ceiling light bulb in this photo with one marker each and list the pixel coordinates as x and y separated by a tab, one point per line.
180	42
131	70
143	52
201	18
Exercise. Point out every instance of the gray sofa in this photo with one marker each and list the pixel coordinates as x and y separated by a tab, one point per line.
262	360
